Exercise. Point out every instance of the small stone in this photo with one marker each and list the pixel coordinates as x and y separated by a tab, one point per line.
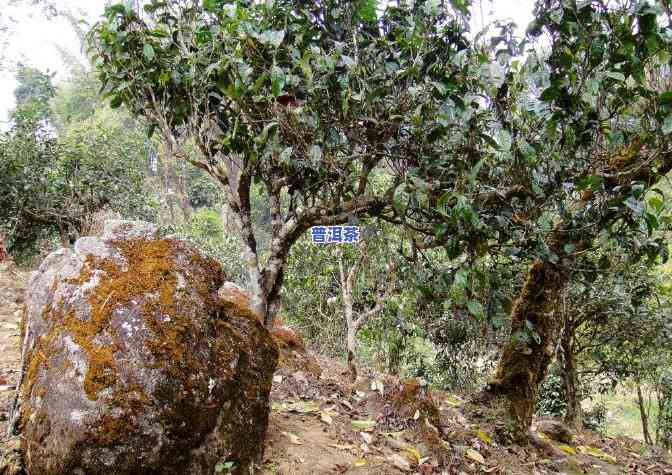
123	229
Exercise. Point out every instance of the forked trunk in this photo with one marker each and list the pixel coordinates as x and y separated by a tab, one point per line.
535	327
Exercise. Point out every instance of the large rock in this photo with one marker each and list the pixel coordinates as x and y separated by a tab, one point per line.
135	366
555	430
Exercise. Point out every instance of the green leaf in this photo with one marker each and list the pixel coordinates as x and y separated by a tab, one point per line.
210	5
666	98
119	8
615	75
667	124
366	10
148	52
476	309
635	205
116	102
277	81
315	153
150	130
549	94
272	37
593	182
461	5
656	203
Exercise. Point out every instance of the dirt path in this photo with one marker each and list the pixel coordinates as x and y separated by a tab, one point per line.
12	287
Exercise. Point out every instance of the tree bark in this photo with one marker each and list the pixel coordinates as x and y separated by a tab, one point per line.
347	284
535	327
574	416
570	377
351	347
643	415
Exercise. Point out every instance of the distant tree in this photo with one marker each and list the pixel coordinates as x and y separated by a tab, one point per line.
53	184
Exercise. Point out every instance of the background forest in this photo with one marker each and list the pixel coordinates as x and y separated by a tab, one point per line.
496	179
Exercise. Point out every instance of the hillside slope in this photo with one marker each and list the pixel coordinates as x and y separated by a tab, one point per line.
321	423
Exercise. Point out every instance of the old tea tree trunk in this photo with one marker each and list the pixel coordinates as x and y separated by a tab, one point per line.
535	319
534	332
354	322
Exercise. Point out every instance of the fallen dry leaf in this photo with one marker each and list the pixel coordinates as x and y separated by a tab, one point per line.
400	462
363	425
377	386
584	449
293	438
342	447
368	438
567	449
326	418
475	456
414	454
484	436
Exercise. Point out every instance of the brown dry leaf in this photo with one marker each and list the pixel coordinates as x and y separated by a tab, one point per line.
426	469
341	468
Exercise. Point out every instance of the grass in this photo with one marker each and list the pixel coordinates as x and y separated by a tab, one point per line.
623	418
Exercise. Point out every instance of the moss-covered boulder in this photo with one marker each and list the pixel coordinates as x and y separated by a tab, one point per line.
133	365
